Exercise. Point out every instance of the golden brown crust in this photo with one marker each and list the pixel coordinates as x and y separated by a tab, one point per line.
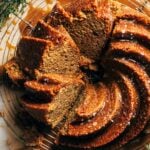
98	121
124	12
36	110
130	50
37	87
129	47
52	78
128	30
141	79
36	47
127	95
94	102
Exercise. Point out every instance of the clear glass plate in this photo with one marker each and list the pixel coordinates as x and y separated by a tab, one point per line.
9	37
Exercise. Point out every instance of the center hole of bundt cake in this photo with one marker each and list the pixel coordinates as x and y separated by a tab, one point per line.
94	76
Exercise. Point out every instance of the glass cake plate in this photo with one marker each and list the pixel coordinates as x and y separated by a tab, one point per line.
10	132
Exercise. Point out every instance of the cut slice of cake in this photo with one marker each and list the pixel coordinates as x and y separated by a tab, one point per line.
54	111
56	35
43	55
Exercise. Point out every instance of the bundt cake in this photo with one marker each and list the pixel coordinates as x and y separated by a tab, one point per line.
105	113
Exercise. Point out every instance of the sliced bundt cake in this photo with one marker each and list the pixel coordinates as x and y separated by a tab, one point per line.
105	113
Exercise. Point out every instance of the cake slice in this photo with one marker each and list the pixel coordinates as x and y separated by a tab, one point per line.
38	111
89	23
53	111
43	55
57	35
